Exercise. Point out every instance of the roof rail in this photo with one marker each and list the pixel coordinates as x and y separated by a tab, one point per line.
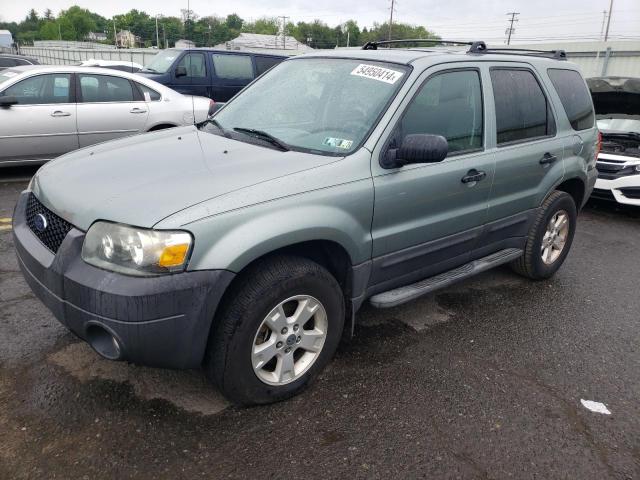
556	54
374	45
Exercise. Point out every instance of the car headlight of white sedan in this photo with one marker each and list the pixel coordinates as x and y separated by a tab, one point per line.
136	251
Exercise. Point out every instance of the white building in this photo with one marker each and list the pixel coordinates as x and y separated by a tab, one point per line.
618	58
258	43
182	43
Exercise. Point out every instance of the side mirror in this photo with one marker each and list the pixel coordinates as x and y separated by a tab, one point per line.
181	71
7	101
417	148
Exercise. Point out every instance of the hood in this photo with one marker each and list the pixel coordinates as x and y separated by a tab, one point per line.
615	95
142	179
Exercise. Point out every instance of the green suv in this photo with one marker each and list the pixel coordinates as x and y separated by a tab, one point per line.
246	245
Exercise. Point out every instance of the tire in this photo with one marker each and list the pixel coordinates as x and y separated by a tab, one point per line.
531	264
242	327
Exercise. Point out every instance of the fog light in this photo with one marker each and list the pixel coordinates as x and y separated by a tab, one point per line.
637	168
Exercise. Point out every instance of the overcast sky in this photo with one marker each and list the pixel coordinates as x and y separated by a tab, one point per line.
454	19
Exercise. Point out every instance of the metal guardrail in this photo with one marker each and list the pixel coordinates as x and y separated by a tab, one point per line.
72	56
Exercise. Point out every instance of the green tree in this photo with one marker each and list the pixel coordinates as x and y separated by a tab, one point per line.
76	23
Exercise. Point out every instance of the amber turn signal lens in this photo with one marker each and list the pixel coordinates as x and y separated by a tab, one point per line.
173	255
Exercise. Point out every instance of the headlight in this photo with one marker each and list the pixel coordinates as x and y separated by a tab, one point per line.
136	251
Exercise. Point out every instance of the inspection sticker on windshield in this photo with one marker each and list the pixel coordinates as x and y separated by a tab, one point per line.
381	74
338	143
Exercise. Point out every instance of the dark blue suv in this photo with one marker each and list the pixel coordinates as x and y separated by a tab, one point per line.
217	74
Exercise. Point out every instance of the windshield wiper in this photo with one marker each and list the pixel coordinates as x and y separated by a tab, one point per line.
264	136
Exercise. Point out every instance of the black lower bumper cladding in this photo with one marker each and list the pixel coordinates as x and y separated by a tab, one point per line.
161	321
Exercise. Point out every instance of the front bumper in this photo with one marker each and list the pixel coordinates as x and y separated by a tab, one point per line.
161	321
624	190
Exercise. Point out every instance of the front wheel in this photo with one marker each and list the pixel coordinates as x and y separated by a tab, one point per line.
279	327
549	239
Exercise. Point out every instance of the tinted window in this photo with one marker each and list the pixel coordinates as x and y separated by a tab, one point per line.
104	88
20	61
522	111
574	96
449	104
194	64
237	67
153	95
265	63
7	62
41	89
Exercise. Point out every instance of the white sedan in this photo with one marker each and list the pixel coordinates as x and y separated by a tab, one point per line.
46	111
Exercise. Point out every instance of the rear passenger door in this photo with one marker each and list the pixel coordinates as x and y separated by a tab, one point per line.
108	107
232	72
528	152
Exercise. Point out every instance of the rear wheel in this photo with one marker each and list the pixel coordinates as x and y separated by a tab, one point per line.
279	327
549	239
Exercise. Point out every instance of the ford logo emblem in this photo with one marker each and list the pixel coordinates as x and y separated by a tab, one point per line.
40	222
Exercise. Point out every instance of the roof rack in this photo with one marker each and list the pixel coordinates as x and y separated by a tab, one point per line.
474	47
374	45
481	47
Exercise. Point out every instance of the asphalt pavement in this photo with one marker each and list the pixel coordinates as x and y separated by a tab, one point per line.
481	380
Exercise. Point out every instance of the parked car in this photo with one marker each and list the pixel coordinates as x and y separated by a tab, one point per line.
8	60
46	111
217	74
617	104
248	244
121	65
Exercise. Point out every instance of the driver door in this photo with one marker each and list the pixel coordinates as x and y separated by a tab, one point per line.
427	217
42	125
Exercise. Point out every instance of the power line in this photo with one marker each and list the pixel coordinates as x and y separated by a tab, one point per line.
510	30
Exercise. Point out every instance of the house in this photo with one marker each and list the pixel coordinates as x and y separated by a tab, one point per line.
126	39
96	36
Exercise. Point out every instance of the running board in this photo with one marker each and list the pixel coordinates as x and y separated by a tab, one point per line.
407	293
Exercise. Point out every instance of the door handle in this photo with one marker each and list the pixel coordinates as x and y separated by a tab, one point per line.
548	159
137	110
473	176
60	113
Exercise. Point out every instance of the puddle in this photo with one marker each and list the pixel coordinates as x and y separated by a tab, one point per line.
419	314
186	389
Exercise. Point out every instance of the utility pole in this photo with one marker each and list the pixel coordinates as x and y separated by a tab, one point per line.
510	30
59	31
157	34
115	36
606	33
393	7
284	31
164	37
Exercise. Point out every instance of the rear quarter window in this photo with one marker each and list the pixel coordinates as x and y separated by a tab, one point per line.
574	96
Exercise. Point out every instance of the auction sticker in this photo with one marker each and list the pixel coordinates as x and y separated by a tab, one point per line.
381	74
338	143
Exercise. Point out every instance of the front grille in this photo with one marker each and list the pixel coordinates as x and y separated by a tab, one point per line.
56	228
608	171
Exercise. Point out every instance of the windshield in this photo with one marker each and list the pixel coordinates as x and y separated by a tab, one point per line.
6	75
162	61
319	105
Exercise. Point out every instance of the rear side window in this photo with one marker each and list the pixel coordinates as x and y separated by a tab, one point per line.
104	88
236	67
522	110
265	63
153	96
574	96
